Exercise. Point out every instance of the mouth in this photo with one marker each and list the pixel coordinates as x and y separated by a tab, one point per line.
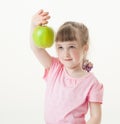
67	59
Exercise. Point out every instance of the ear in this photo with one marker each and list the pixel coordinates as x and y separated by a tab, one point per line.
85	48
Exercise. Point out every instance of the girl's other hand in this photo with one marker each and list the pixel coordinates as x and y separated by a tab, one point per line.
40	18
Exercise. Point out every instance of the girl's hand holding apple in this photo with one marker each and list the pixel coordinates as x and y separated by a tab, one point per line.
43	36
40	18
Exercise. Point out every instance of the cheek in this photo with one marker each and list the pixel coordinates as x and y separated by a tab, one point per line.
59	53
77	54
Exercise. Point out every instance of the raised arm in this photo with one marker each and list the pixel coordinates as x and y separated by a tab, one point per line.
40	18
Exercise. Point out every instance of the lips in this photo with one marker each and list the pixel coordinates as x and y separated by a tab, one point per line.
67	59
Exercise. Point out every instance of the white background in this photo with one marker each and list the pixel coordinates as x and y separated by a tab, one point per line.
21	86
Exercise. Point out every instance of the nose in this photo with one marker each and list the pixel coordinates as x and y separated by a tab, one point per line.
66	53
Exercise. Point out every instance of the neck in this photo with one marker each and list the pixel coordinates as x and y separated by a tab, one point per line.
76	71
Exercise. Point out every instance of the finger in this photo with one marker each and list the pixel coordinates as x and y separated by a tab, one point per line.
46	17
40	11
44	13
44	22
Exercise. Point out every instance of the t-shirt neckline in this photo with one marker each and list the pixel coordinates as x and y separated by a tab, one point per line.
75	78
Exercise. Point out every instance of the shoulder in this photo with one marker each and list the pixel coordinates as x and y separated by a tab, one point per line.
93	78
93	82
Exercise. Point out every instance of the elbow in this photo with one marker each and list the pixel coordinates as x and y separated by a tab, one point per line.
32	46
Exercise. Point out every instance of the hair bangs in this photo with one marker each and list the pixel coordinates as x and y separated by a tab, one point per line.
66	33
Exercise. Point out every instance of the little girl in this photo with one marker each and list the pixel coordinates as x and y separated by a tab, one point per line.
71	90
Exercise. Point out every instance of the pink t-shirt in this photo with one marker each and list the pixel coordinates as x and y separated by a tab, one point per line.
67	98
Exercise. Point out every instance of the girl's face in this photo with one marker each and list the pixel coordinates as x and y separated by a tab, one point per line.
70	54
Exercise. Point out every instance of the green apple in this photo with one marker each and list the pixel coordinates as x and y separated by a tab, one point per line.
43	36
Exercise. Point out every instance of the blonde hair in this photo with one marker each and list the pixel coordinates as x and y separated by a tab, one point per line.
73	31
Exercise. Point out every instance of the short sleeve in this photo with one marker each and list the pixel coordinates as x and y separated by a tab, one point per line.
52	72
46	71
96	92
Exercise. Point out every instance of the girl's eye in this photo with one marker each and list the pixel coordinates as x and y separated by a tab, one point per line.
60	47
72	46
